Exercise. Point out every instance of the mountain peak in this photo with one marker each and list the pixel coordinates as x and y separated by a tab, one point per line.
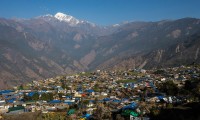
67	18
61	17
59	14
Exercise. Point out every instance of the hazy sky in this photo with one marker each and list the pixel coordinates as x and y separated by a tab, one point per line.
103	12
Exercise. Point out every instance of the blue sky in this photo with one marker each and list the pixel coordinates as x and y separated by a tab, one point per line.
103	12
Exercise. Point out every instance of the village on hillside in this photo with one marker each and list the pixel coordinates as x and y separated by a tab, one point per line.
134	94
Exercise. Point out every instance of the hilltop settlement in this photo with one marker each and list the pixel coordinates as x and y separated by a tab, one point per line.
134	94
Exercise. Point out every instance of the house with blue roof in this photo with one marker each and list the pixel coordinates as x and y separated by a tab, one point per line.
68	97
11	100
30	94
106	99
55	102
90	92
6	92
116	101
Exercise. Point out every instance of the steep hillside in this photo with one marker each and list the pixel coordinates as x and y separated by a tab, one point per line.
152	44
49	45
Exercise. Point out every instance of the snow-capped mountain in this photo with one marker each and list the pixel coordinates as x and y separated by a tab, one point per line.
61	17
67	18
47	46
70	23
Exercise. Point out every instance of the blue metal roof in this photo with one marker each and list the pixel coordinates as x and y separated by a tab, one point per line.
90	90
11	100
5	91
106	99
116	101
55	101
30	94
133	106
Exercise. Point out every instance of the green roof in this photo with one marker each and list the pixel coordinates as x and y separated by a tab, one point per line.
16	108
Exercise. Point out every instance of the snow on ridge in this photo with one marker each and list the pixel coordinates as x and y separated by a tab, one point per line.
72	21
67	18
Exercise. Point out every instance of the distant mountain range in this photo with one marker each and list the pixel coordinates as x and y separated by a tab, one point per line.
47	46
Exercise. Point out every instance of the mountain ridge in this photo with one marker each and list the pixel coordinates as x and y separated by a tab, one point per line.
39	48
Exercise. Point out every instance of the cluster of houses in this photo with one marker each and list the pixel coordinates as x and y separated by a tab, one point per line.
132	92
